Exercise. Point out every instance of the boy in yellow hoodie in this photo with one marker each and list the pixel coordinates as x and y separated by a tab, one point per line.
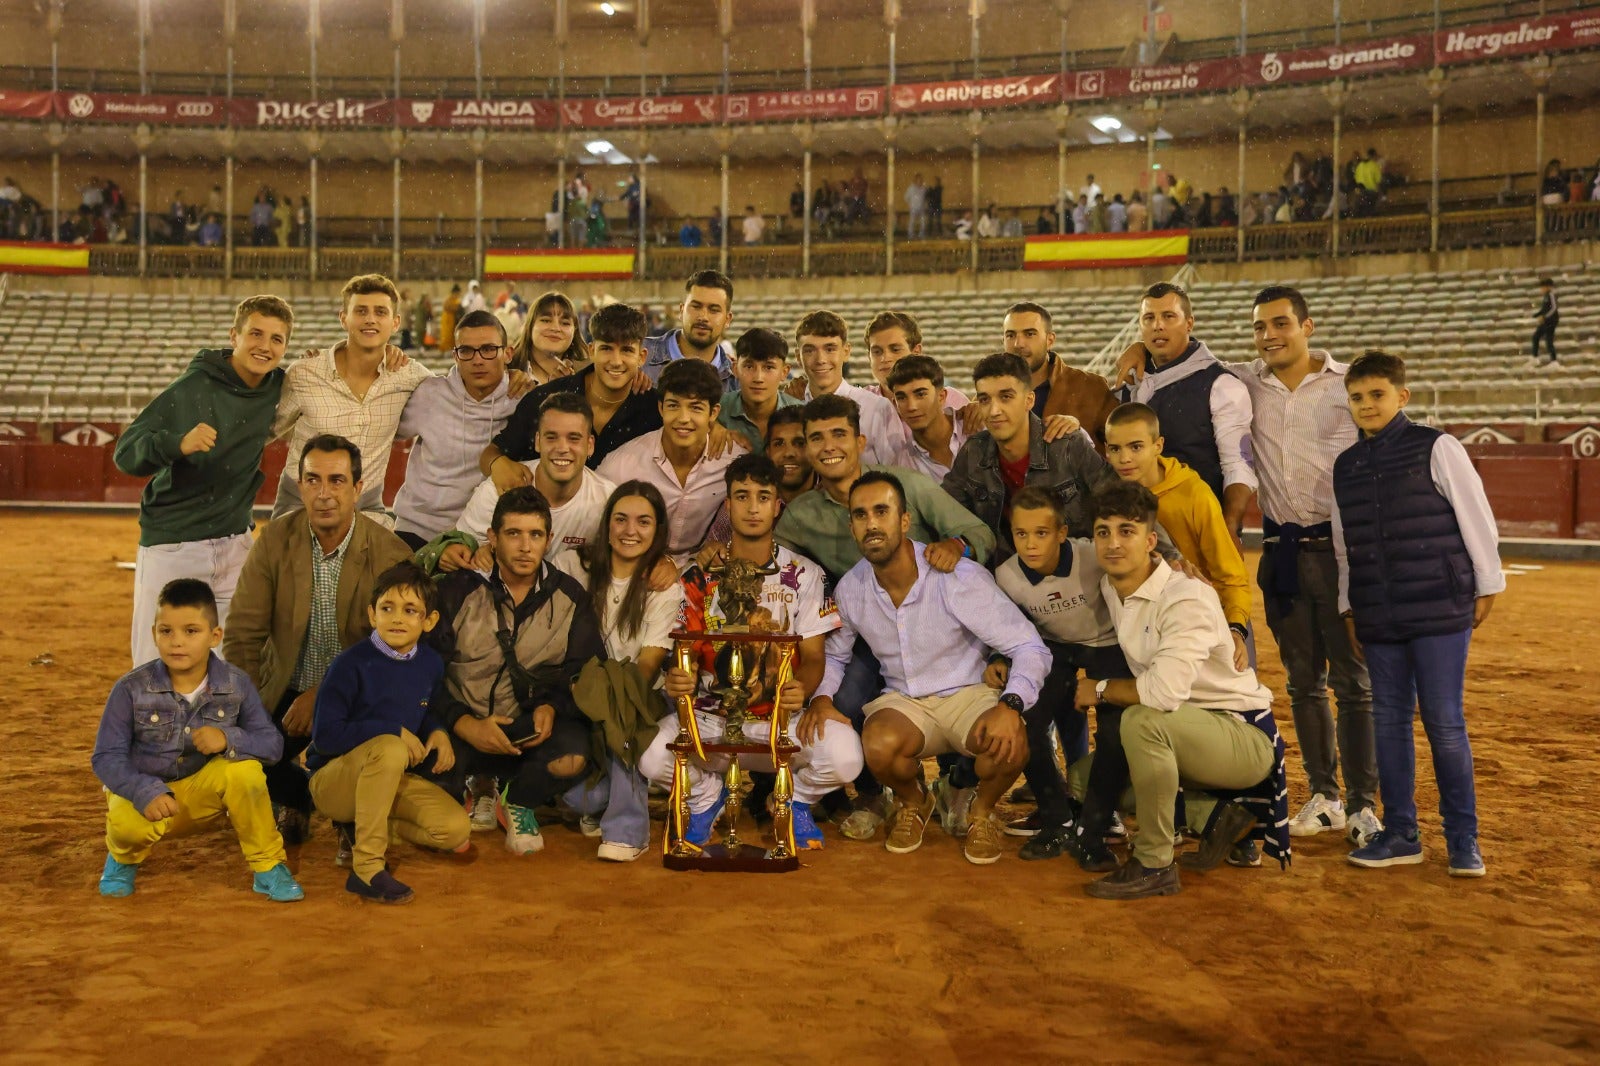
1187	509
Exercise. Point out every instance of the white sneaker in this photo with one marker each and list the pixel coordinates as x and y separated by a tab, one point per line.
522	829
1318	814
1363	827
864	821
613	852
482	804
589	826
953	806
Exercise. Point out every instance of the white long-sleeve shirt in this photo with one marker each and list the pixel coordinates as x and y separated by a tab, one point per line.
1295	437
1177	643
1453	475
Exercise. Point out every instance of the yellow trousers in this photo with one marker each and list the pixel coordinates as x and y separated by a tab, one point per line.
369	786
221	787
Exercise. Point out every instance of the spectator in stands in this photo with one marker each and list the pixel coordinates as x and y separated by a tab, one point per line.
261	221
195	512
1097	216
421	317
632	196
1138	213
706	314
936	204
347	390
1116	215
1284	209
988	225
1182	192
1552	188
690	235
450	420
1160	209
290	619
211	232
9	192
858	196
1225	212
178	215
797	201
1046	223
448	315
963	230
916	209
472	300
1012	227
1549	316
1090	190
1203	218
283	228
714	227
92	195
754	225
1080	215
550	345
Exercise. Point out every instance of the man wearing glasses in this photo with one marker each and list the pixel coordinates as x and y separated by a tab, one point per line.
452	418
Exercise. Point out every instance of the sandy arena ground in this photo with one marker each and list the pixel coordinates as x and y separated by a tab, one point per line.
860	957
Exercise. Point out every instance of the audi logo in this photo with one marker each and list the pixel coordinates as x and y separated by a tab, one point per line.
196	108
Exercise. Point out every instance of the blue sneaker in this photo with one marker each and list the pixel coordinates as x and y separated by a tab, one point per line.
279	885
807	837
1465	859
699	831
1389	848
116	880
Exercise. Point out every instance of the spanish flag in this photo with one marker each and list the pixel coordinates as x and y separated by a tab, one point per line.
1079	251
554	264
23	257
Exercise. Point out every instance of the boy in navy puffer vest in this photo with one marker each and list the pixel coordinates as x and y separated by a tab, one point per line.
1419	568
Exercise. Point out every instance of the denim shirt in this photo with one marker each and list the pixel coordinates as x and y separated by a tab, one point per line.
144	738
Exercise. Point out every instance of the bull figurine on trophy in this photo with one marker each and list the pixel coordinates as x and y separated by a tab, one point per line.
752	658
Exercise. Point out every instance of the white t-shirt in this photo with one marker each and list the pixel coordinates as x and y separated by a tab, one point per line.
655	628
572	524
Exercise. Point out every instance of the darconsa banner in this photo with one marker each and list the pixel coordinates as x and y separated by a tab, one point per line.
1472	44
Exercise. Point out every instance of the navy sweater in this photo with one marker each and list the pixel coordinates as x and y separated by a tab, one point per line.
367	694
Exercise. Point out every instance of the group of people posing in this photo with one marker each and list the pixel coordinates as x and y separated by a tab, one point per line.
968	579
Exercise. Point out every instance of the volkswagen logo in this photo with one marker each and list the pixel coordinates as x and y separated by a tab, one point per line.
81	105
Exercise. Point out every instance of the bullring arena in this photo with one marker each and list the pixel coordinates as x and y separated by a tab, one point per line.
428	140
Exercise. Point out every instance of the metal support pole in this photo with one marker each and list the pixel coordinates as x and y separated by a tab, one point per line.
477	48
55	195
977	152
1338	173
1538	167
722	246
227	215
477	212
144	48
1433	178
311	237
313	31
144	213
394	247
805	222
561	195
888	212
1244	125
1061	177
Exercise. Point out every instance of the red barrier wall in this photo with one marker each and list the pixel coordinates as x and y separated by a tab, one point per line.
1537	490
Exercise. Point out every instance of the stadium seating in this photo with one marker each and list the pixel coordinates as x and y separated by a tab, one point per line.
1465	334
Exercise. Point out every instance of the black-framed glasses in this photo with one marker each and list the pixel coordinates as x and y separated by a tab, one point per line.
488	353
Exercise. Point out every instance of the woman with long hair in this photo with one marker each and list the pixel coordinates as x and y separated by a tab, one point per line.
636	623
550	346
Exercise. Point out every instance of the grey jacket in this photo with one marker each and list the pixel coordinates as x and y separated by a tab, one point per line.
1069	469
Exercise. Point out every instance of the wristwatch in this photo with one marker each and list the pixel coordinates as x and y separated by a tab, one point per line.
1012	700
1100	688
1239	628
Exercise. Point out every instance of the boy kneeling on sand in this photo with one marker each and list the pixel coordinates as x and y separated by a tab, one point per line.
181	743
366	751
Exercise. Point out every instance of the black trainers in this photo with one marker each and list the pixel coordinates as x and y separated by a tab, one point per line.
293	825
1051	842
1024	827
1091	853
1232	823
1246	854
383	888
346	833
1133	881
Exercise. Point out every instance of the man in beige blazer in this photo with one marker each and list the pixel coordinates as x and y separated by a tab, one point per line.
302	599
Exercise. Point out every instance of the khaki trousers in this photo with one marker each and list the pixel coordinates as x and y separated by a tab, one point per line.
369	786
1192	747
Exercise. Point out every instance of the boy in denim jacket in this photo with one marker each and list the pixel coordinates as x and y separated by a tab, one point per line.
181	743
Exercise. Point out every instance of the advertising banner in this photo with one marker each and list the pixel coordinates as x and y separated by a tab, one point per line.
804	104
557	264
478	114
1580	29
1021	91
1329	62
306	114
622	112
132	108
26	105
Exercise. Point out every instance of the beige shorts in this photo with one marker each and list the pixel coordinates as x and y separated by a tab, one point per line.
945	721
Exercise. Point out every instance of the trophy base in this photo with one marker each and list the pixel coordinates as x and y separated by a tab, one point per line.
746	859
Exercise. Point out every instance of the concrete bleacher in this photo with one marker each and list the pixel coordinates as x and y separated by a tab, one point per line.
99	357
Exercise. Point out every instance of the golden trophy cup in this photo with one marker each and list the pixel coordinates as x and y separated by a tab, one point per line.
752	664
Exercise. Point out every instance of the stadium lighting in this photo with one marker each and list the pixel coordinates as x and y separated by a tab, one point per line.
608	9
599	148
1105	123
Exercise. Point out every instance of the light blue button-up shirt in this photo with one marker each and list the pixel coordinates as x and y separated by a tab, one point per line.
938	640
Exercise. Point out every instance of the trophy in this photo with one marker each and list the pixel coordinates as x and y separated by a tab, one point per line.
753	660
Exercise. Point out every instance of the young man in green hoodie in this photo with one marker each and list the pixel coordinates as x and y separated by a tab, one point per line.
200	443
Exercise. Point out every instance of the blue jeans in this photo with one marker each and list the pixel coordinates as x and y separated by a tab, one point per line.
622	800
1427	673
